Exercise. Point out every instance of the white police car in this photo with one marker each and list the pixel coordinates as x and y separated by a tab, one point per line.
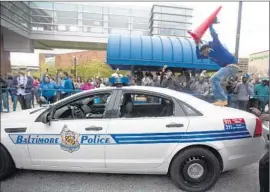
134	130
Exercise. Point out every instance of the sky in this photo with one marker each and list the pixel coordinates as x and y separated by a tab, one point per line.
254	35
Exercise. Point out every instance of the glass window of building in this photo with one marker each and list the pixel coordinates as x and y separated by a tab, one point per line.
26	3
69	14
140	26
143	33
119	31
92	9
157	16
156	24
168	17
166	31
179	32
92	16
5	4
189	12
118	18
157	9
96	29
177	18
37	27
105	10
62	28
65	6
73	28
140	20
156	31
21	6
18	11
118	25
19	20
41	5
140	13
66	21
93	23
173	10
119	11
38	19
189	19
41	12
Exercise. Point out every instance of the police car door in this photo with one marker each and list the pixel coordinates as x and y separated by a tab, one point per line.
72	143
145	135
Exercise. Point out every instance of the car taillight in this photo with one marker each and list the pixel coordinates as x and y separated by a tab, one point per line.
258	128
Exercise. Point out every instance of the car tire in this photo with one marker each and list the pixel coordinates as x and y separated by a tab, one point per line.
7	166
195	170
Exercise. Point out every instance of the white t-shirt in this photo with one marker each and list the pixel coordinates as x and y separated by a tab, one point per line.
22	80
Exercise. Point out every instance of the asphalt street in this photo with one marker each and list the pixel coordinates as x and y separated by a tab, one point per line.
244	179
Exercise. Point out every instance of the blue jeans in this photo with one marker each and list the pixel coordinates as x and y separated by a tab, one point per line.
14	101
215	80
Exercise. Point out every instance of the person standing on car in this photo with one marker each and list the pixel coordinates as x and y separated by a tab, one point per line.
244	91
23	85
215	51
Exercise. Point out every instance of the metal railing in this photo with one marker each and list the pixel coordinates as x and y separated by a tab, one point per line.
9	99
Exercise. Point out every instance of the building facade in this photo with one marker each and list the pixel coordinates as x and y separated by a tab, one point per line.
82	18
259	63
170	20
26	26
86	18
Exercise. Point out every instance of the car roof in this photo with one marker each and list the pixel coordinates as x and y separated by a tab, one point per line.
196	103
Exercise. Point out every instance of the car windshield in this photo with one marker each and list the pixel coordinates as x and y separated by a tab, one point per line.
42	107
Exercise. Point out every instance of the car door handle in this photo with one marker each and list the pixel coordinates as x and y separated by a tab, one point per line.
174	125
93	128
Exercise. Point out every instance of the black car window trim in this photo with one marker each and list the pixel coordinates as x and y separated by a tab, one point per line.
143	92
181	103
63	103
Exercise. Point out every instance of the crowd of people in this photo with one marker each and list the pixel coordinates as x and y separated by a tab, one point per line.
29	91
243	93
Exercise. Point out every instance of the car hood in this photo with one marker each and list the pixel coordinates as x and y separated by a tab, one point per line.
20	117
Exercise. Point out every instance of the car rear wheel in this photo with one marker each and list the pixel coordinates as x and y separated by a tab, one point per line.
195	170
7	167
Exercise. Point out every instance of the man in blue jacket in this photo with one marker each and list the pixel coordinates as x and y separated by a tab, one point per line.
216	52
67	87
47	90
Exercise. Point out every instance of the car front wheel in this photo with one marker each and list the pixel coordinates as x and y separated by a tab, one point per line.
195	170
7	167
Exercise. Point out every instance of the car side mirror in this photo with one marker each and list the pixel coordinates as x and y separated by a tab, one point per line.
46	118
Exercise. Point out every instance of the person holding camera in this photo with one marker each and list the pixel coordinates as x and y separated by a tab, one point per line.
23	85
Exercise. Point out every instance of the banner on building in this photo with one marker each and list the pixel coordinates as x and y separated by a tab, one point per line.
50	59
259	63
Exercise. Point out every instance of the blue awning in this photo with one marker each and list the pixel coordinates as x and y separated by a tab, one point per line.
154	51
